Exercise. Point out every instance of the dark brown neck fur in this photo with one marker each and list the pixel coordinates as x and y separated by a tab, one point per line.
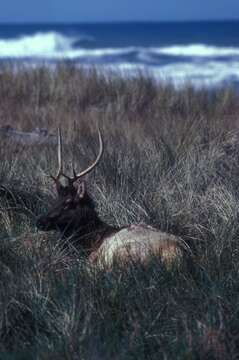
89	236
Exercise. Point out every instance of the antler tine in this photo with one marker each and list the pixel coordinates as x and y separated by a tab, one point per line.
92	166
59	155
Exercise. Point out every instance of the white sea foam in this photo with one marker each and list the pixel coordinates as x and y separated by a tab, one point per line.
210	73
196	50
43	45
207	73
97	53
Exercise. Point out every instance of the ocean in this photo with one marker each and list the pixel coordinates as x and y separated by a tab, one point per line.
201	53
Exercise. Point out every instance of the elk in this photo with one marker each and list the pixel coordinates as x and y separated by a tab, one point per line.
75	216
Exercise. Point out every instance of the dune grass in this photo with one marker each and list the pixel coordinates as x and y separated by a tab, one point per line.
171	160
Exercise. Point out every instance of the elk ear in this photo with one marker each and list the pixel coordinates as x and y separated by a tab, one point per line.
81	189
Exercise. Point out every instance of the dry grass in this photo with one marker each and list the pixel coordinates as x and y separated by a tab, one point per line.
171	160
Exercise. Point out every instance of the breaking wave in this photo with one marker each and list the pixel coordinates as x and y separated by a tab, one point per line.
197	63
206	74
197	50
53	45
39	45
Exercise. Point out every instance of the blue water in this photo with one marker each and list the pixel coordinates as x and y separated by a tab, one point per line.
203	53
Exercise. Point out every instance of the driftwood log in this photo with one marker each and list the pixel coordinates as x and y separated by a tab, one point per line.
35	137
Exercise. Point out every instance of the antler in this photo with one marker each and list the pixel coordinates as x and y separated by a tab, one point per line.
93	165
59	155
76	176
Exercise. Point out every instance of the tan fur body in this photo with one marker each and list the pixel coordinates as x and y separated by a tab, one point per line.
139	243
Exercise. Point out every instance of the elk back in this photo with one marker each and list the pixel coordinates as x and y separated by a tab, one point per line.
138	243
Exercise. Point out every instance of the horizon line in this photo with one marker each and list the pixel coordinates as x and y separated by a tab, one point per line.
117	22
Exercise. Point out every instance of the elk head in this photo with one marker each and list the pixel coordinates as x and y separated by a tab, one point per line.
74	211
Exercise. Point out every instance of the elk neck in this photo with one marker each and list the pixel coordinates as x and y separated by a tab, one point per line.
89	236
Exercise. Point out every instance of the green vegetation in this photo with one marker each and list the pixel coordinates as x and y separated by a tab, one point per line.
171	160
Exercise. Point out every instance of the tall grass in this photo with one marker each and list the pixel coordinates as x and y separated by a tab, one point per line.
171	160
